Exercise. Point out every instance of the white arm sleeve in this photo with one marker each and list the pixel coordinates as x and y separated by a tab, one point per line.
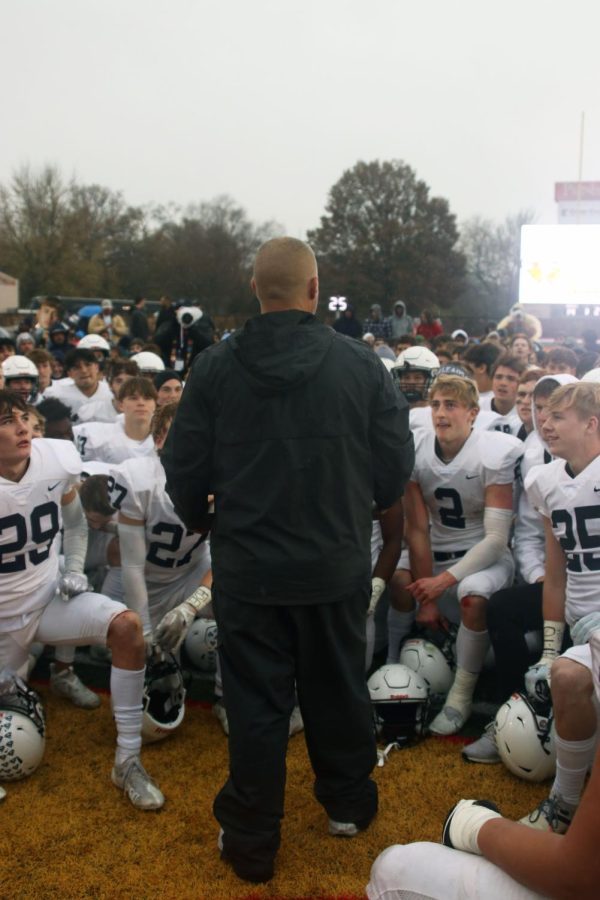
75	536
529	543
496	523
132	541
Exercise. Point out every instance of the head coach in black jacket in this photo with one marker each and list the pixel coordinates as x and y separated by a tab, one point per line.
295	430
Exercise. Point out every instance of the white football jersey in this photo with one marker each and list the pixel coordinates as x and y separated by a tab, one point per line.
572	504
454	492
30	520
138	491
98	410
107	442
509	424
71	396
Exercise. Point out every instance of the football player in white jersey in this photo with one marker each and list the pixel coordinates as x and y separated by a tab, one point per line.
505	382
106	408
162	562
480	359
129	437
414	371
496	858
458	515
83	383
37	498
565	492
516	611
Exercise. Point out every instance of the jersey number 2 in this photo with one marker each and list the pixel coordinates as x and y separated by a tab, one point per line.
451	516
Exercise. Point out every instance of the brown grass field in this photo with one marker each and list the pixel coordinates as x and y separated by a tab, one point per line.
67	832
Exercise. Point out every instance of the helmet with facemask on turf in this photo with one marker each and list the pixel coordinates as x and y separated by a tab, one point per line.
164	698
414	371
525	739
22	732
400	699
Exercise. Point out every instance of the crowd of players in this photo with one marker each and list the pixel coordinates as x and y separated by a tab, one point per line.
501	540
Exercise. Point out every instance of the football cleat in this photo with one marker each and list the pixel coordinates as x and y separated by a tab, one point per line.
141	789
296	723
450	720
65	683
343	829
484	750
220	713
553	814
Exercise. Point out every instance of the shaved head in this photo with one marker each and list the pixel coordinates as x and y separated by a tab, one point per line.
285	275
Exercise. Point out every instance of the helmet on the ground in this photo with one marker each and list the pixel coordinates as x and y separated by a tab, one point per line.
525	739
413	360
429	662
17	367
22	733
148	361
201	644
94	342
164	698
400	699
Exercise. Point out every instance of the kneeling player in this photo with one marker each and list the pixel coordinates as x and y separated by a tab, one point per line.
565	492
37	499
461	486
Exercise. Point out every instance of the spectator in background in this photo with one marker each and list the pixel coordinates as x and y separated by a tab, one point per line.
25	343
401	322
57	338
47	315
348	324
7	348
522	348
403	343
43	362
168	386
138	325
58	365
518	321
376	324
105	321
460	336
429	326
561	361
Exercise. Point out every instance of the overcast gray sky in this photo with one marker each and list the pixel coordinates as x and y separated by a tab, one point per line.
271	101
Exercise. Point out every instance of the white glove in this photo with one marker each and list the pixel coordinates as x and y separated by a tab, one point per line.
582	630
173	626
377	588
72	583
463	822
8	682
537	681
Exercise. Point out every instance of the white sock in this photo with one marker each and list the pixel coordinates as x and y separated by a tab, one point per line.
399	627
460	694
126	689
65	654
471	647
573	759
370	635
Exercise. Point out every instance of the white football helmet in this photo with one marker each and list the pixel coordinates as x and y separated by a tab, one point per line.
22	733
400	700
148	361
201	644
94	342
164	698
16	367
593	375
415	359
429	662
525	739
